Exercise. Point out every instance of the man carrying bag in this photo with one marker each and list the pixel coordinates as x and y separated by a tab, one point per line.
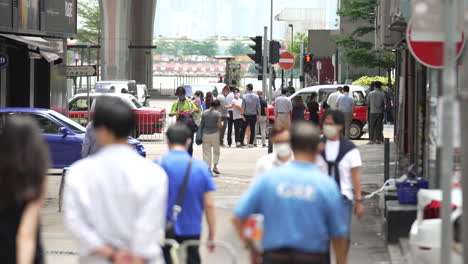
191	192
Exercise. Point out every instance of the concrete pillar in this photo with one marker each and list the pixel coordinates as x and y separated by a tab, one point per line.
141	34
115	21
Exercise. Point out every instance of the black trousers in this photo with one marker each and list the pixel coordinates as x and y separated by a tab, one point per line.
376	127
239	131
251	120
230	125
292	259
193	255
190	150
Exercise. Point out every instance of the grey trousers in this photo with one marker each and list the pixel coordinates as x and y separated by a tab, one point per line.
348	119
376	127
222	132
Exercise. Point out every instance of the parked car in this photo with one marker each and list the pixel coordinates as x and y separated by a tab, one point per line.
425	232
138	90
63	135
149	120
356	129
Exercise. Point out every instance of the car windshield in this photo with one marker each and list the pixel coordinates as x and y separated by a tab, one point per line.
72	125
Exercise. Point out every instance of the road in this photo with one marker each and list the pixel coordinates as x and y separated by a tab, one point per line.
237	167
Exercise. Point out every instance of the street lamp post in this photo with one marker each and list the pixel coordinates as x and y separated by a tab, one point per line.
292	45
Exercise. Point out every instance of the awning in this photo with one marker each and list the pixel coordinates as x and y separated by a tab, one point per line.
38	46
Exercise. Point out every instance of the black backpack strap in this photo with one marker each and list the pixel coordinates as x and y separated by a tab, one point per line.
333	166
177	208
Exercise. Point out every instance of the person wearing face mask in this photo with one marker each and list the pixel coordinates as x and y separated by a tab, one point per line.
183	106
341	160
282	152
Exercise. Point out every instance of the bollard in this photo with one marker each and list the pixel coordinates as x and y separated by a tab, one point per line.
270	145
386	159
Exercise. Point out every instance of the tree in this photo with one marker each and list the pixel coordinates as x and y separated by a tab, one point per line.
239	48
90	29
208	48
356	51
295	48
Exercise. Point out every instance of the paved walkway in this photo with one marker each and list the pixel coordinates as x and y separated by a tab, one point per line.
237	166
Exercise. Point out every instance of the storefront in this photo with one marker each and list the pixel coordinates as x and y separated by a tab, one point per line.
33	37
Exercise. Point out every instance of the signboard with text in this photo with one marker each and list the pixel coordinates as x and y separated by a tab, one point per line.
54	18
76	71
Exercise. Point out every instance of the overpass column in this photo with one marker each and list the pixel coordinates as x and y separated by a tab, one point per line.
141	37
115	18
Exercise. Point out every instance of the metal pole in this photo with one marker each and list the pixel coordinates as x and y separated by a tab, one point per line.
448	106
271	20
301	63
265	59
464	142
386	159
292	45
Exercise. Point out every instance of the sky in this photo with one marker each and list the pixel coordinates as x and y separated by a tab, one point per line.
199	19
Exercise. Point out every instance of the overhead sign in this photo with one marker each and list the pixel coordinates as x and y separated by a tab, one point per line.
3	61
76	71
428	47
234	66
286	61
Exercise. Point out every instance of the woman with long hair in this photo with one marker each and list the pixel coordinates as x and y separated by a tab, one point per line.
23	166
314	108
208	99
298	112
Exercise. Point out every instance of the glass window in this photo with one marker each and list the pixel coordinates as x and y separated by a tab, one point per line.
324	93
359	98
46	125
80	104
72	125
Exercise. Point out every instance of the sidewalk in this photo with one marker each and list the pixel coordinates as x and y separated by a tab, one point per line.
237	165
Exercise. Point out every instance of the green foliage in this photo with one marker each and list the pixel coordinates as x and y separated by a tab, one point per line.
367	80
90	20
239	48
357	52
183	47
359	10
295	48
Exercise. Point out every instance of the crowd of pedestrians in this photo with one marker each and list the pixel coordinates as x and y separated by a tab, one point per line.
120	206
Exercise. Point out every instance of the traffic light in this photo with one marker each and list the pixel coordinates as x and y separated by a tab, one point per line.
274	51
257	57
307	63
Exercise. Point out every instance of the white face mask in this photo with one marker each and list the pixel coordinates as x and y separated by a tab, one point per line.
283	150
330	131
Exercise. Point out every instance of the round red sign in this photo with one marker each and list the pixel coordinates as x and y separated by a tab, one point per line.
286	61
428	47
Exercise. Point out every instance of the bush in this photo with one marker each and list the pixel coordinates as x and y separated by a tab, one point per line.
367	80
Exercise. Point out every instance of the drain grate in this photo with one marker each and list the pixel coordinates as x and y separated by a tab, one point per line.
58	252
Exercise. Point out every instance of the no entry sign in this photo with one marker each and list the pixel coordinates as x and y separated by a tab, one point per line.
428	47
286	61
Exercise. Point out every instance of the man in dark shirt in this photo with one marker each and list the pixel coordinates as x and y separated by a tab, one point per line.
260	126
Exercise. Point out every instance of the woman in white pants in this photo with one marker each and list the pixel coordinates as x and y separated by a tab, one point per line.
211	123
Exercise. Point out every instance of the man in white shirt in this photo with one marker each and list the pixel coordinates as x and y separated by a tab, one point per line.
282	152
334	97
230	119
283	108
115	200
238	120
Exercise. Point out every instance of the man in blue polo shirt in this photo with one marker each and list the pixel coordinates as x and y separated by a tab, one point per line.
198	196
302	207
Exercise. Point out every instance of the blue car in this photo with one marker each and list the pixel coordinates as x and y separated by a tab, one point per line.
63	135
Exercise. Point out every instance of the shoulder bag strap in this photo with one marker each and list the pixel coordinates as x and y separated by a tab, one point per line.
177	208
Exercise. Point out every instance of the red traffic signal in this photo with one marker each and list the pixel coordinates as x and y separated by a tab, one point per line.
308	58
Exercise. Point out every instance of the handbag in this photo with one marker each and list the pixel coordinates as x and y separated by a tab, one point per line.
177	207
199	136
187	119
